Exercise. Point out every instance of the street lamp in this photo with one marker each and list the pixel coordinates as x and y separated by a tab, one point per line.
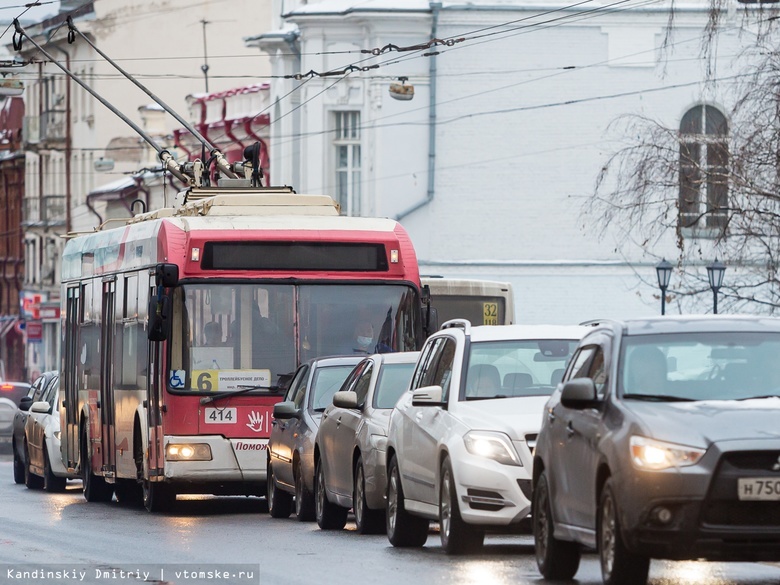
715	275
664	273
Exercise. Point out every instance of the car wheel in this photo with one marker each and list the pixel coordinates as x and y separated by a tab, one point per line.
403	529
304	499
457	537
329	516
18	466
367	521
95	487
279	501
32	481
619	566
51	483
556	559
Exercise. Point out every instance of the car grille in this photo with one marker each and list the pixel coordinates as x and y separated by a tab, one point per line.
757	460
723	508
738	513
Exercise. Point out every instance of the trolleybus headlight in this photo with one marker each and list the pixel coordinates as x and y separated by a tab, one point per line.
188	452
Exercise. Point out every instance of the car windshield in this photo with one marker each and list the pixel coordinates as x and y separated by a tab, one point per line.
393	381
327	380
701	366
228	336
507	368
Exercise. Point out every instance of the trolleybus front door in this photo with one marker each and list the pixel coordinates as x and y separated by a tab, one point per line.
69	379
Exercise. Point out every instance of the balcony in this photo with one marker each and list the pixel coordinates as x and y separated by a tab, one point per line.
46	211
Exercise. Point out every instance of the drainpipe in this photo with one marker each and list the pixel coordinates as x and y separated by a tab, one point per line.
432	73
68	145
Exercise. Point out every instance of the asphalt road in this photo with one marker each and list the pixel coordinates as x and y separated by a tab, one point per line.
63	537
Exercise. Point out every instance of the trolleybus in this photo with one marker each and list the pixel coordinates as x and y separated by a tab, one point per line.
180	328
482	302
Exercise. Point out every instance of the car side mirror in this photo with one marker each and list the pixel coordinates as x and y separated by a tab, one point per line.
345	400
286	410
25	403
41	407
579	393
427	396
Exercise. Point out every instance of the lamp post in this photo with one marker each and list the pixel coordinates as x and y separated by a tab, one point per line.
715	275
664	272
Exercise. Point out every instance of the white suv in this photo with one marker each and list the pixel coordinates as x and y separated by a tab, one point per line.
460	440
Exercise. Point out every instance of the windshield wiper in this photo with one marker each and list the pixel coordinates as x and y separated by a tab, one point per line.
241	390
762	397
657	397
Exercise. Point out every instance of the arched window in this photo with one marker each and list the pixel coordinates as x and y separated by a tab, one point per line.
704	158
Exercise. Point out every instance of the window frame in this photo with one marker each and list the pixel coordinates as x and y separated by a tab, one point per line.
703	167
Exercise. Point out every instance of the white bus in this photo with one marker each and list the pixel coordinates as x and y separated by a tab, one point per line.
482	302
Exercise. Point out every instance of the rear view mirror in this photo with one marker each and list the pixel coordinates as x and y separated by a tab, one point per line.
427	396
159	318
579	393
25	403
285	410
345	400
167	275
41	407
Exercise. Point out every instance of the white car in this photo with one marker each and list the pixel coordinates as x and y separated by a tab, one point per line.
42	437
460	440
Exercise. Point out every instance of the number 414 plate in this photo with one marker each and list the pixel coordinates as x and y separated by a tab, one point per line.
759	488
220	416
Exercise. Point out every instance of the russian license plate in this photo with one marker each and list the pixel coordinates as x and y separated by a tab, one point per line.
220	416
759	488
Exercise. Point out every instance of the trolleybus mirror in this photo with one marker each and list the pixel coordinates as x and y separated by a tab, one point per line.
433	320
167	275
159	318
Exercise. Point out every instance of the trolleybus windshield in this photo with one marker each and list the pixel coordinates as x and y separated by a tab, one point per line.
227	336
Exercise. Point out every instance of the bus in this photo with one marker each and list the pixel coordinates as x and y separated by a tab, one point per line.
482	302
181	328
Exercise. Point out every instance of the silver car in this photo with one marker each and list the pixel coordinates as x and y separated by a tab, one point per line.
291	445
350	449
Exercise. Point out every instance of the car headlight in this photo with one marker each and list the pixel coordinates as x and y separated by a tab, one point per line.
493	445
657	455
188	452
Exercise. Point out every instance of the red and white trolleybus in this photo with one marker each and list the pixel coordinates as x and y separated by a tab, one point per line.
181	327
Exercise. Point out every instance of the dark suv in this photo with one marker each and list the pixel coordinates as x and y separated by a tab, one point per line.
663	441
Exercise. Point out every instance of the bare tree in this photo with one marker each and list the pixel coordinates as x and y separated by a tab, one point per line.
714	189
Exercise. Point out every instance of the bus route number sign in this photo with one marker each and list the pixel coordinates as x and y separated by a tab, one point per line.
220	416
490	313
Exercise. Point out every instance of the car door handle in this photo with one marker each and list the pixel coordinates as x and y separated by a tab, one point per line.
418	416
551	416
569	429
338	422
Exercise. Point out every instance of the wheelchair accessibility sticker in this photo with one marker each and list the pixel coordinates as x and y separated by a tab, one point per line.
176	379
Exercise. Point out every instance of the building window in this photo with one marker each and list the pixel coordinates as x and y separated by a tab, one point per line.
347	144
704	159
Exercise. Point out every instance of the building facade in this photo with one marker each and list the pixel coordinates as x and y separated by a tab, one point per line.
493	163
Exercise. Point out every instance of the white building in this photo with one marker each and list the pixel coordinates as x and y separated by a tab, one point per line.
520	104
